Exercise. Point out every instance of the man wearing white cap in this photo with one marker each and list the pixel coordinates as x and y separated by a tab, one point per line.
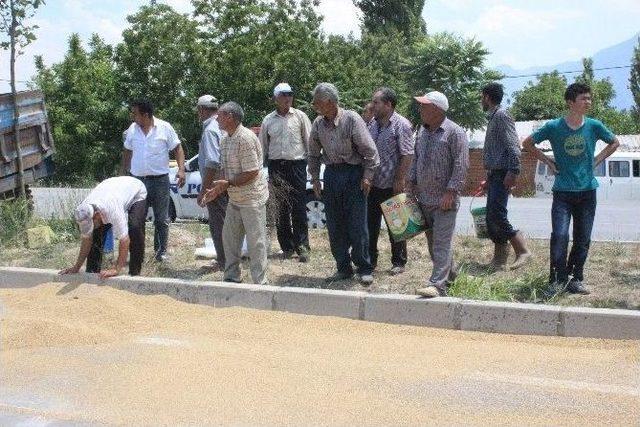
211	170
284	135
119	204
437	178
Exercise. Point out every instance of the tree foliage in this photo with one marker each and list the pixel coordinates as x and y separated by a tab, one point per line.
634	79
85	110
454	66
385	16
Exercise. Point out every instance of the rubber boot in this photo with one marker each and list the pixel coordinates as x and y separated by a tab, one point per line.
500	257
523	256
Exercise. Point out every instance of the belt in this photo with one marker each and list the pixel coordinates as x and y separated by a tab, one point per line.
150	176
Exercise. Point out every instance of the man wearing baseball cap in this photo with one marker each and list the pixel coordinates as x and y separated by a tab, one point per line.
211	170
437	178
119	204
284	135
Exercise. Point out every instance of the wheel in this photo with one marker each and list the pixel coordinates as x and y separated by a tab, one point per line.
316	217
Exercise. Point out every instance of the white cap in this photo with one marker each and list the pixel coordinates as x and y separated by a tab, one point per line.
207	101
84	217
436	98
282	88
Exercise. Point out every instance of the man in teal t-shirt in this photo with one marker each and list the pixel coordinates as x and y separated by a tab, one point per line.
573	141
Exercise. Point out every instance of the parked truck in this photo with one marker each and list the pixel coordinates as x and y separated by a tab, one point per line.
36	142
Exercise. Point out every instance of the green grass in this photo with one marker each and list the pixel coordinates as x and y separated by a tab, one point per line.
527	288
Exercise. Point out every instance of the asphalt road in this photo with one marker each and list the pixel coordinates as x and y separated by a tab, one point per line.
92	355
615	221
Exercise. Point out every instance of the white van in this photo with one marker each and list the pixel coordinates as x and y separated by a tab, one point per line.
618	177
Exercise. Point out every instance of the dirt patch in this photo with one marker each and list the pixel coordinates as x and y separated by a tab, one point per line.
96	354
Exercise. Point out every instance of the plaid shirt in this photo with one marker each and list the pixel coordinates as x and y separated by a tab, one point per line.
344	139
440	163
501	143
393	141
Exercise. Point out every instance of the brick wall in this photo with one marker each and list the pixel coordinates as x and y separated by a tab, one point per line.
525	185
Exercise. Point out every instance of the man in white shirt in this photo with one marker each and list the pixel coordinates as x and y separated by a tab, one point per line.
119	204
284	135
210	169
146	156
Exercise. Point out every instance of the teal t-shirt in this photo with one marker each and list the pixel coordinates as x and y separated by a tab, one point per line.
573	151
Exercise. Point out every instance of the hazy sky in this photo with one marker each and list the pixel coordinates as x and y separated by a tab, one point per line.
520	33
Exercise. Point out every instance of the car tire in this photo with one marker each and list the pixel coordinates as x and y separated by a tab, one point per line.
316	216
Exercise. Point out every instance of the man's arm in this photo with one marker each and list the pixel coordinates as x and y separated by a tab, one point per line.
220	186
460	152
123	252
400	179
126	162
85	248
366	147
178	153
306	131
607	151
529	145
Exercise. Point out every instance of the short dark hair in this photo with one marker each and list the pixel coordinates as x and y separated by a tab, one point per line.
575	89
143	105
495	92
388	95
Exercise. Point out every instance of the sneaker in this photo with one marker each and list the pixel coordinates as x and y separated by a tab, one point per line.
555	289
396	269
338	276
303	254
162	258
431	291
366	279
576	286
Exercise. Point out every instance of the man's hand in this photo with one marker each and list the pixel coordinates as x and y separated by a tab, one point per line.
200	198
399	186
180	178
482	188
109	273
553	166
317	189
70	270
510	180
410	188
365	186
217	188
448	200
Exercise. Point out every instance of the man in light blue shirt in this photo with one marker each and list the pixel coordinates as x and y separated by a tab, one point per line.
573	141
210	170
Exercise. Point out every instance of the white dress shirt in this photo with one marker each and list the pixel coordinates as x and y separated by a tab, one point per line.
151	151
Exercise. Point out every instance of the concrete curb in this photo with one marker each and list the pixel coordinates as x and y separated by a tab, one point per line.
448	313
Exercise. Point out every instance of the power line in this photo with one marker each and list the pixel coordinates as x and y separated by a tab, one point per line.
566	72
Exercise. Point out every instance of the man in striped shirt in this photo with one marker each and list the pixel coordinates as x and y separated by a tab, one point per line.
393	137
437	178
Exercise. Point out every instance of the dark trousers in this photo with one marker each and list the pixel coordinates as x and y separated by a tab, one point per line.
158	200
346	208
581	206
498	226
217	210
374	216
289	179
137	216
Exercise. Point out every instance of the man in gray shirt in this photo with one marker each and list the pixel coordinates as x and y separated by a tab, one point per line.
502	162
340	139
437	178
211	170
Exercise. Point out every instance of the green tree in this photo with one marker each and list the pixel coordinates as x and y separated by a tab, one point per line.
16	35
541	100
386	16
161	58
454	66
85	110
634	80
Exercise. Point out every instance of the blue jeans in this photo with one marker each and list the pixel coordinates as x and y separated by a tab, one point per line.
498	226
158	199
581	206
346	208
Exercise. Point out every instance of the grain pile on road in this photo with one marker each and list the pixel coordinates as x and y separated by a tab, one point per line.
87	353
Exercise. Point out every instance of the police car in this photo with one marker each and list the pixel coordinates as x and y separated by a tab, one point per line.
184	204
